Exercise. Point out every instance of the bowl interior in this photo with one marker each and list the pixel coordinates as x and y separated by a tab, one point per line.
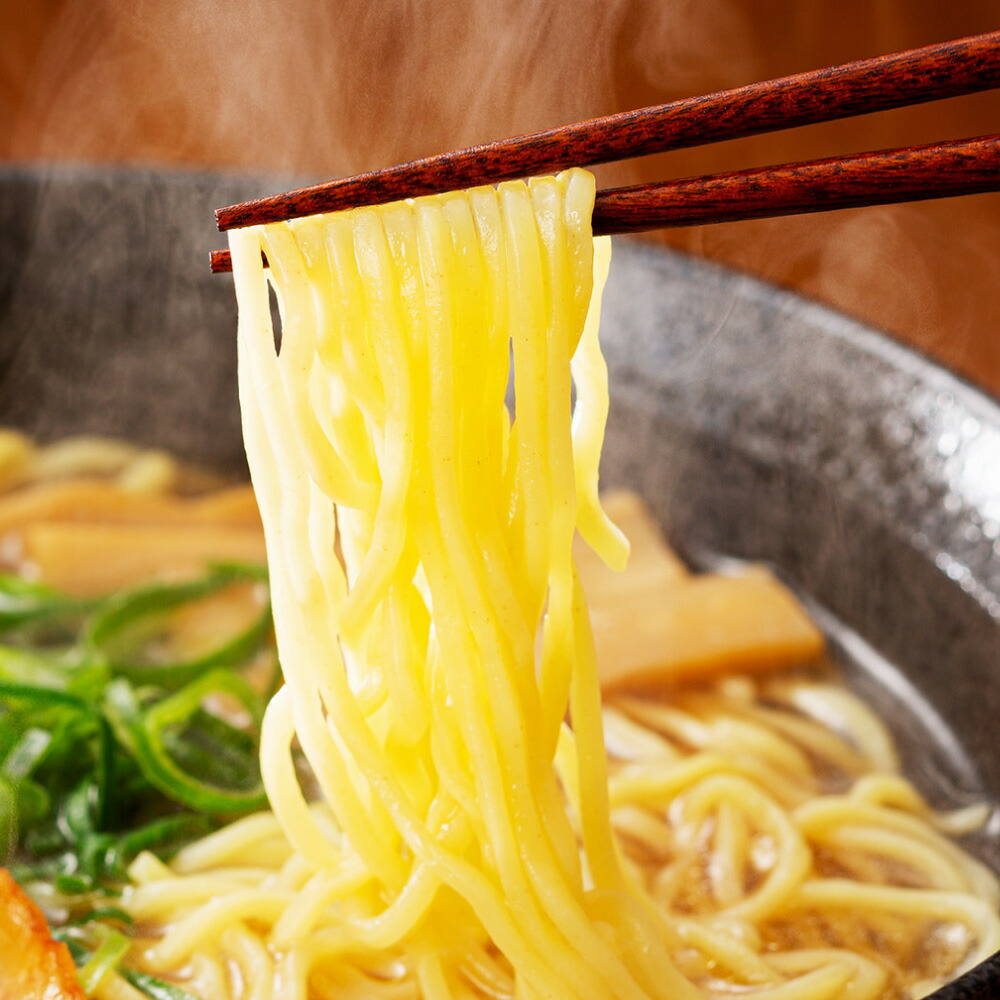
759	426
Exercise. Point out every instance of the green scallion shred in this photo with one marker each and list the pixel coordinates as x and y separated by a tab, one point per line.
155	989
105	753
72	885
32	612
118	631
149	729
106	957
25	755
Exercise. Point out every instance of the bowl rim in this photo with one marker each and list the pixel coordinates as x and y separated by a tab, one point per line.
984	979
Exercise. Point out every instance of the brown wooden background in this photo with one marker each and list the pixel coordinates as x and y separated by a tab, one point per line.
328	87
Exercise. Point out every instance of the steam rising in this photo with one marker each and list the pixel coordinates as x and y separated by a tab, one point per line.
336	87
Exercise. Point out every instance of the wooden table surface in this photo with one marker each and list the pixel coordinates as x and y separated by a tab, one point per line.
330	88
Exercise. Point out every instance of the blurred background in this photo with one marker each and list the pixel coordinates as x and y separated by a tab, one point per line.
330	87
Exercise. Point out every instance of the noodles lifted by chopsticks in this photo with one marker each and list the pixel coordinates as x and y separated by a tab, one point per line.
473	839
412	680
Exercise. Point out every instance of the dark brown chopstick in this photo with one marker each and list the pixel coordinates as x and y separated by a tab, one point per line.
885	177
912	173
903	78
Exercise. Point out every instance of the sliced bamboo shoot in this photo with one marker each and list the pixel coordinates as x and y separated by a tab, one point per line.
90	559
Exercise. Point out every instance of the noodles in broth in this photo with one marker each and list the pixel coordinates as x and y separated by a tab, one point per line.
475	821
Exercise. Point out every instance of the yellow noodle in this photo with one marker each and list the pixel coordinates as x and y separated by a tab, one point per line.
231	842
210	977
187	937
745	735
868	979
253	959
627	740
476	838
977	915
333	953
113	987
371	245
166	897
811	736
792	856
726	949
727	866
148	868
843	713
894	790
291	973
828	981
820	818
319	892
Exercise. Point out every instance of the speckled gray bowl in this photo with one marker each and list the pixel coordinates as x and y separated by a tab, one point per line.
758	424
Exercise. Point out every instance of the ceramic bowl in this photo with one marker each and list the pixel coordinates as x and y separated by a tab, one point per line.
758	424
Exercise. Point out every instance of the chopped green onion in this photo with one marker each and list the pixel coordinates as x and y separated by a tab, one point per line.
117	632
23	602
41	695
111	950
26	754
155	989
75	934
105	753
8	819
165	835
113	913
34	669
72	885
149	730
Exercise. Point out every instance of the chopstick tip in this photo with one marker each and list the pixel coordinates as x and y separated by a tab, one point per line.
220	261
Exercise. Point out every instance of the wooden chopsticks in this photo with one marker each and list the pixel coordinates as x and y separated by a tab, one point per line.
913	173
938	71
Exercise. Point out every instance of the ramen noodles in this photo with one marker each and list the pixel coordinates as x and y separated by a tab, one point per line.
453	809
